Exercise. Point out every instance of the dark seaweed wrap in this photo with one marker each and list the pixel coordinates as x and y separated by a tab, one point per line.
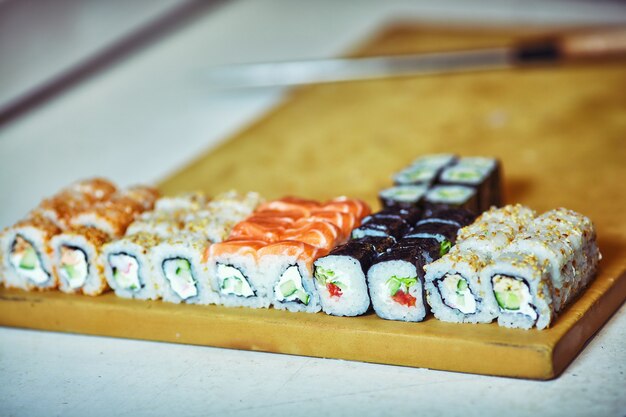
461	216
364	250
389	226
410	215
435	230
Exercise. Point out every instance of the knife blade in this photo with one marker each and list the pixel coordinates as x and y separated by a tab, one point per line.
291	73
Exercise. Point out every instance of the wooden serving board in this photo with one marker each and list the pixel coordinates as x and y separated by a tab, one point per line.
560	133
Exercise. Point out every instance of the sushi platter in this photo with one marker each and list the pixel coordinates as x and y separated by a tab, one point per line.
436	258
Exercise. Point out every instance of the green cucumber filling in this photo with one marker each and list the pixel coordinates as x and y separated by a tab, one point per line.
289	287
444	247
416	174
25	259
74	266
328	278
125	270
405	193
456	293
232	281
179	274
464	174
513	295
395	284
450	194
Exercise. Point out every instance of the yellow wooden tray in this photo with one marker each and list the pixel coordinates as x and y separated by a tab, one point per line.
558	131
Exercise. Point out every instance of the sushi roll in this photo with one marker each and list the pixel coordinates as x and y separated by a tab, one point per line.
482	174
437	161
402	196
158	223
179	261
451	196
185	201
416	175
382	227
288	268
396	281
340	276
521	290
78	262
128	268
26	254
494	168
454	288
563	242
234	273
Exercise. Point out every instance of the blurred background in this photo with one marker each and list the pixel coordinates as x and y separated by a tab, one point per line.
86	85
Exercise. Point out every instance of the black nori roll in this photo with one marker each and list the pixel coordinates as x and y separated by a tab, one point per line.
381	227
483	174
458	216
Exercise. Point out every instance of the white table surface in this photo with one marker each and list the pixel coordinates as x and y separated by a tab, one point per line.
153	105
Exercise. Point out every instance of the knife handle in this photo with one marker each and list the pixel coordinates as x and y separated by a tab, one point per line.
575	46
610	42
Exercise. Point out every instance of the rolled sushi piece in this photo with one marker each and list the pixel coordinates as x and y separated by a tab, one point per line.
26	254
435	160
180	263
128	268
288	268
402	196
566	241
521	290
396	281
234	273
184	201
451	196
340	276
494	167
453	289
420	174
482	174
78	263
375	226
111	218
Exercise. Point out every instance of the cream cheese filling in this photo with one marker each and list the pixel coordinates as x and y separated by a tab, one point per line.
232	281
455	293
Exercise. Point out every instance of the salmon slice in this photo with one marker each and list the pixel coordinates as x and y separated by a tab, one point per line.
319	234
359	208
268	230
234	247
304	252
290	204
344	221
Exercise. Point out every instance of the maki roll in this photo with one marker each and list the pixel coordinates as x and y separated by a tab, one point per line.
521	290
340	277
421	174
396	281
26	254
128	268
451	196
402	196
180	263
436	161
482	174
78	263
381	227
288	267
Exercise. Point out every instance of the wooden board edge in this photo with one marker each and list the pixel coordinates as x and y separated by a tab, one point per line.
580	334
